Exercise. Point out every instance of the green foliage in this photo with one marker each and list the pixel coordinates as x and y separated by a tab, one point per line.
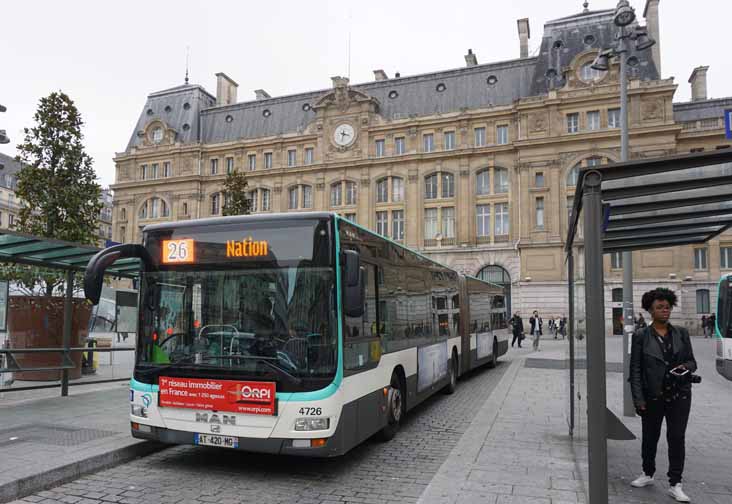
236	199
57	186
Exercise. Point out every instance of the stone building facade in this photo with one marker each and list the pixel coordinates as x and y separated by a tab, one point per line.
473	166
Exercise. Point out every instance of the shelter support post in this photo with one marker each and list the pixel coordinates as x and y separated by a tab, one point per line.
68	314
595	317
570	283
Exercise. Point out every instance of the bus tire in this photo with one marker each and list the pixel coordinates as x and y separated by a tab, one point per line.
394	409
494	355
452	384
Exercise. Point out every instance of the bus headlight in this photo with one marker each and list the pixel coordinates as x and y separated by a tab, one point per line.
311	424
138	411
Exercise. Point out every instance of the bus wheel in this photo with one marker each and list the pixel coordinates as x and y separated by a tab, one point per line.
395	409
494	357
450	387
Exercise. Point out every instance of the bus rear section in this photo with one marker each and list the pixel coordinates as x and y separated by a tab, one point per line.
723	329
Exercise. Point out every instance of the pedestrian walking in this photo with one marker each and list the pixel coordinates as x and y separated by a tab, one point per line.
517	327
536	329
563	327
640	322
557	322
661	366
705	325
712	322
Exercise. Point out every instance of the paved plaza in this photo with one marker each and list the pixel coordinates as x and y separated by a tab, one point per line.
501	438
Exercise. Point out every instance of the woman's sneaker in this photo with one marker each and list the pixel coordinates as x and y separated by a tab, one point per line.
677	493
642	480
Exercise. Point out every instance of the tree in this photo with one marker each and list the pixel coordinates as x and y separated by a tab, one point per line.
57	185
236	199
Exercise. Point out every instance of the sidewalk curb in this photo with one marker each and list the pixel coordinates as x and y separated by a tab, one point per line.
447	482
31	484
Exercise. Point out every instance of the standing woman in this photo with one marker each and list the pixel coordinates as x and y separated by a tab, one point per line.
661	363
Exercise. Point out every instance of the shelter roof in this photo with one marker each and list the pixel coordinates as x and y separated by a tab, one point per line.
661	202
32	250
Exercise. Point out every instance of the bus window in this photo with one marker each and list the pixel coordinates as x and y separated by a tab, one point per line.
362	347
724	308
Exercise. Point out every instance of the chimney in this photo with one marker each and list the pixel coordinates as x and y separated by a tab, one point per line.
380	75
651	15
225	89
261	94
524	36
698	81
470	58
397	75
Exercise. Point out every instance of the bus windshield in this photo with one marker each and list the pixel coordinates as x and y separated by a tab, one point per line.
261	319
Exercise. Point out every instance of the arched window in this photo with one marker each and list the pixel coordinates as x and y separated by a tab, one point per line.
254	200
336	194
483	182
153	209
215	204
265	194
501	307
351	193
440	183
386	195
500	180
573	174
300	196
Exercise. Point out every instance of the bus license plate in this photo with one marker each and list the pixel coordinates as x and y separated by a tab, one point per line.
220	441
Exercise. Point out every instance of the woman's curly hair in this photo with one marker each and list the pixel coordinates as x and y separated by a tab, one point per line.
658	294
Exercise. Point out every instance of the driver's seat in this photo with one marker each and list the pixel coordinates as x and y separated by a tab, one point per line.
297	348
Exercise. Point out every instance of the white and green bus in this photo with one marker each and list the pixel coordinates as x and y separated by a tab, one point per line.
298	334
723	328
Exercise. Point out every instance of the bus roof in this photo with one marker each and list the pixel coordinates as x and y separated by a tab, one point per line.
212	221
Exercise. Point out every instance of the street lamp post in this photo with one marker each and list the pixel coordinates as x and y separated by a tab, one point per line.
623	18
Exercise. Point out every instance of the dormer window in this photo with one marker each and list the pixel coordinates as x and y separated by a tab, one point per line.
157	135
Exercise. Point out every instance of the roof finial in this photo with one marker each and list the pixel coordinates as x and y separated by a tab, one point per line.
586	5
187	61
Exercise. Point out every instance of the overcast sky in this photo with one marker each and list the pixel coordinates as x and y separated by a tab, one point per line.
108	56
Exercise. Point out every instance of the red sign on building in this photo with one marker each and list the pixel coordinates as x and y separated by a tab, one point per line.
252	398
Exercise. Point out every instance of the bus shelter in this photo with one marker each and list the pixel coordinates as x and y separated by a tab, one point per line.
71	258
635	205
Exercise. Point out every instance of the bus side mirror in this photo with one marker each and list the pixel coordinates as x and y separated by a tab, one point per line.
354	296
353	285
94	274
352	267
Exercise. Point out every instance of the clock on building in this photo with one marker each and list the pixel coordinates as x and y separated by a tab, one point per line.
344	135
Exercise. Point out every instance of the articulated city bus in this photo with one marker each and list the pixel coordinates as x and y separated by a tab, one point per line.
723	329
293	333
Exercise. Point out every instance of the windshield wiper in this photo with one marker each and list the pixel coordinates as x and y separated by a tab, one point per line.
267	361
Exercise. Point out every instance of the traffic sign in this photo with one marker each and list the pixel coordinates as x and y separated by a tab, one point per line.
728	124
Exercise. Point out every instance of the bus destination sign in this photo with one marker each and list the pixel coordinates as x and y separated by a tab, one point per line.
247	247
251	398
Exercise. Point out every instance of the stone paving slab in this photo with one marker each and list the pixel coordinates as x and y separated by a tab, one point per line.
49	441
518	450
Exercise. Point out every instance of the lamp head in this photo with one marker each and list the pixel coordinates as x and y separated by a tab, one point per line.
602	61
624	14
642	40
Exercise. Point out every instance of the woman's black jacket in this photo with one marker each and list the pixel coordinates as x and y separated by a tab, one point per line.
648	368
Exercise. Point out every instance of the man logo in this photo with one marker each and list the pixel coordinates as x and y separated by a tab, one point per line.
215	418
215	428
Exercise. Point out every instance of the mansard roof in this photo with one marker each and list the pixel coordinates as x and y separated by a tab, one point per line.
472	87
701	109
